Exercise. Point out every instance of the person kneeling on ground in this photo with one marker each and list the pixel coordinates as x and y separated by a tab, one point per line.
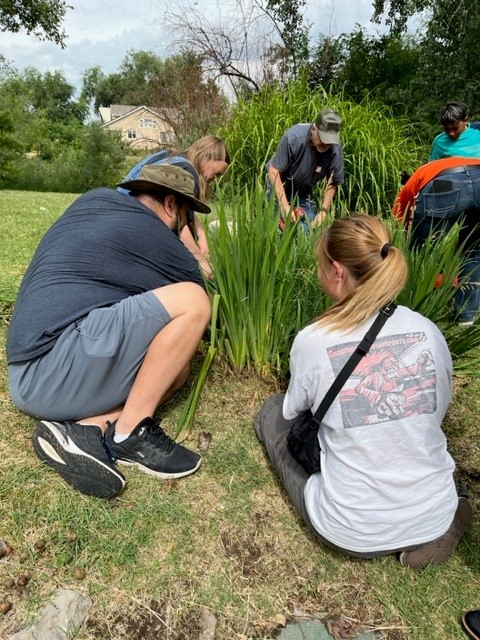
386	482
108	317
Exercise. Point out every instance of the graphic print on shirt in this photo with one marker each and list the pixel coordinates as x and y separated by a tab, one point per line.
396	379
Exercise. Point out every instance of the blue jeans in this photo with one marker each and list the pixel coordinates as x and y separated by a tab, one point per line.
449	198
307	203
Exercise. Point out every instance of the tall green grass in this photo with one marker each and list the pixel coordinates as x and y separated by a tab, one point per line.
377	147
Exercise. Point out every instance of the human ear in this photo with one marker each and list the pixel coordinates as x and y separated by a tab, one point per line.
169	204
339	271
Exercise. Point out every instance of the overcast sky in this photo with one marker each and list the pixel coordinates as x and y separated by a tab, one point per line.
101	32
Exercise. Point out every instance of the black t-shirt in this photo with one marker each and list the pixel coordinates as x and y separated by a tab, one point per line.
106	247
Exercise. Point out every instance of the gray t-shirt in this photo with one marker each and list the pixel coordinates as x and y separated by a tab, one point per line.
301	166
104	248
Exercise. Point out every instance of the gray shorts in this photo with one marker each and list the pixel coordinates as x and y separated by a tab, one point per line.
93	364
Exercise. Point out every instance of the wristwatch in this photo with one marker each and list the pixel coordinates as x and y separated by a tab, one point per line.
324	209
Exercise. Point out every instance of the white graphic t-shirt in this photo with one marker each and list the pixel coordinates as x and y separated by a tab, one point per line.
386	476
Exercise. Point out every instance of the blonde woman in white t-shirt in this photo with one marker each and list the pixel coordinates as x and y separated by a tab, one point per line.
386	483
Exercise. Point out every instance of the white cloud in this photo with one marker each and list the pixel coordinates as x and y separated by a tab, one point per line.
101	32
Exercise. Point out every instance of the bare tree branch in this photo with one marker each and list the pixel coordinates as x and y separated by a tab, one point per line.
234	42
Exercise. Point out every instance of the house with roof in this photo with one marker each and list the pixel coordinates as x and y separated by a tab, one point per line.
141	127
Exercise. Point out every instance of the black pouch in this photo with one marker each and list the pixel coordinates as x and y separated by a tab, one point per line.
302	442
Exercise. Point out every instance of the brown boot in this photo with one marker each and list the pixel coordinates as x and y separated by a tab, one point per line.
439	550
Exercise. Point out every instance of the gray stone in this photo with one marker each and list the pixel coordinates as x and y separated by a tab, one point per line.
208	623
59	619
314	630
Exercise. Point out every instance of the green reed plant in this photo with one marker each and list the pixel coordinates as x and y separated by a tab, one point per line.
425	291
266	281
185	421
432	296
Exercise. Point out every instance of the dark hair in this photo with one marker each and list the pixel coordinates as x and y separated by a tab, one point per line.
453	112
156	194
159	195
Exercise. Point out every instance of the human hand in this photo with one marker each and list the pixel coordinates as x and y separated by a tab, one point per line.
297	213
319	218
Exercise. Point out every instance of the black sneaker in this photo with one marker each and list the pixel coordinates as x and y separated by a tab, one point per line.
78	454
151	450
471	624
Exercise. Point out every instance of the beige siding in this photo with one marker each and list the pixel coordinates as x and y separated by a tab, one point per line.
143	129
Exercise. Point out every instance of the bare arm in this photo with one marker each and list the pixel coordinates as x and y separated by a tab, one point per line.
328	196
198	250
279	189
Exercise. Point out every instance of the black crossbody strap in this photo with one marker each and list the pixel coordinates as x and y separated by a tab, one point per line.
349	367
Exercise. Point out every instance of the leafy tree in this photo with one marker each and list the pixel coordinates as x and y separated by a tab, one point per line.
10	148
326	62
287	16
198	103
396	13
449	66
43	18
43	110
135	83
100	157
448	50
382	66
51	95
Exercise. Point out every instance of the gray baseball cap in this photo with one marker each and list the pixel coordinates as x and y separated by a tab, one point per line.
328	124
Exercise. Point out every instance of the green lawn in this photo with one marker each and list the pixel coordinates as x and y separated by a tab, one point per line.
225	539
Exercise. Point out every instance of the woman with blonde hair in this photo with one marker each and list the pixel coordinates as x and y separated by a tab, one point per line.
206	159
385	484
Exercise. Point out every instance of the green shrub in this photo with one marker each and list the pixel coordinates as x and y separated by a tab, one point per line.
376	146
96	159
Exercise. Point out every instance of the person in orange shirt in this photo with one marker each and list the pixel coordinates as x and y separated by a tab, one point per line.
439	194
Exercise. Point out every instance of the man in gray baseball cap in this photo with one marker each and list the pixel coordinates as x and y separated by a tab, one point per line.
108	317
306	155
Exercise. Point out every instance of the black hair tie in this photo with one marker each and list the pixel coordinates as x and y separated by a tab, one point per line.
384	250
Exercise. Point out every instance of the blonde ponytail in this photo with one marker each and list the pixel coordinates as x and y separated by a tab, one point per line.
378	269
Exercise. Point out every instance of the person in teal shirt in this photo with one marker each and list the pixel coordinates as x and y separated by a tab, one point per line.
459	138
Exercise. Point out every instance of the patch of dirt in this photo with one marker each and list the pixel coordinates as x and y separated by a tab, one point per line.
149	622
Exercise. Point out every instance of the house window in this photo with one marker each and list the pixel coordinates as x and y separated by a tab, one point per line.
131	134
148	122
167	136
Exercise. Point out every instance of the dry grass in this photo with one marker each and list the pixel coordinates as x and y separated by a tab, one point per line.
225	539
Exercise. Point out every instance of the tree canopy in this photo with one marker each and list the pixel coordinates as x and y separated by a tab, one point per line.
42	18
